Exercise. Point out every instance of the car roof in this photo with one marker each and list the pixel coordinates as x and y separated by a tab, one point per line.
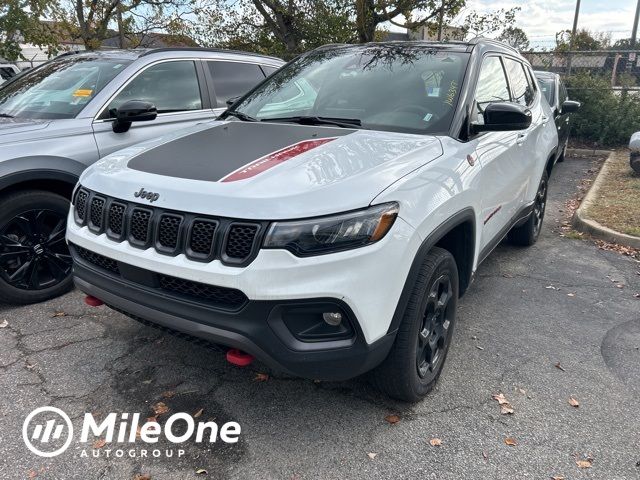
136	53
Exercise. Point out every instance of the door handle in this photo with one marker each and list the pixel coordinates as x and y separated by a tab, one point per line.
522	137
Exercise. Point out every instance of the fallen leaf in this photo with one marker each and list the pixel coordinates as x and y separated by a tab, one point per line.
31	366
160	408
479	347
551	287
485	455
101	442
571	294
168	394
392	419
573	402
32	474
560	367
619	285
201	471
142	476
510	441
506	409
500	398
4	324
147	382
198	413
58	314
372	455
435	442
261	377
557	477
584	463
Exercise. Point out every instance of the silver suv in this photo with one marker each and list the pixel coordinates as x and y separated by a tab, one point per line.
66	114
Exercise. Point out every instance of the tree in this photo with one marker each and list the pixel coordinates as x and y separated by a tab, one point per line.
20	22
409	14
90	21
277	27
583	40
516	37
481	24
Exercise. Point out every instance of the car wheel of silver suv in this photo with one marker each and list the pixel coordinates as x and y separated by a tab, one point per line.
416	359
35	264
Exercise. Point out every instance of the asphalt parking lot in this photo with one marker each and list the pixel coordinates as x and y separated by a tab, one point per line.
562	302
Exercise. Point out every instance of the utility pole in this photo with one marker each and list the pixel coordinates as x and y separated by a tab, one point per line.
573	36
441	20
634	33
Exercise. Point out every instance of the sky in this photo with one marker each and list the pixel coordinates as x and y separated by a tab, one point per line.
541	19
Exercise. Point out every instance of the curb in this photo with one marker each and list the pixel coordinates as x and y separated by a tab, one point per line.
593	228
587	151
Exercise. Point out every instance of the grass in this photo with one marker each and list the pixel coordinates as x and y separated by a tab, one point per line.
617	204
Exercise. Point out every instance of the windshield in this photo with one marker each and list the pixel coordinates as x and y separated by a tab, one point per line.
404	88
60	89
547	85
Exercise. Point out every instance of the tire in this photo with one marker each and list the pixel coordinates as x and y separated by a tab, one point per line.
35	264
407	374
527	234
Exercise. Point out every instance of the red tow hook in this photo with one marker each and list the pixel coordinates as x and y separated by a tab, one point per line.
239	358
93	301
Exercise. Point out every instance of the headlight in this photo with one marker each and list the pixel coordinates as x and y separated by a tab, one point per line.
320	235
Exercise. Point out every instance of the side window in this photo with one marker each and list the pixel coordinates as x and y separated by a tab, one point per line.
268	70
232	79
523	92
563	92
170	86
6	73
492	85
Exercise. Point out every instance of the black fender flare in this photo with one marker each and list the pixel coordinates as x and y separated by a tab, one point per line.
44	167
432	239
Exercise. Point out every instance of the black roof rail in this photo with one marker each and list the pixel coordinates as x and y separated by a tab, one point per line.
202	49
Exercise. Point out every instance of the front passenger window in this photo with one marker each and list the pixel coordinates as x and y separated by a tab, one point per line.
492	85
522	91
170	86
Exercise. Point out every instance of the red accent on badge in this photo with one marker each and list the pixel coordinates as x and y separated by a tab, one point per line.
273	159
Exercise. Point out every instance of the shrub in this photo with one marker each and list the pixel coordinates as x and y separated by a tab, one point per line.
608	117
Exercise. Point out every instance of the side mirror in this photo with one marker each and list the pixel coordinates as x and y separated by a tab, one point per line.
503	117
233	100
570	106
132	111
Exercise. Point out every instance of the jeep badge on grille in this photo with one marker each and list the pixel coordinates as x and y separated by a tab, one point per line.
151	196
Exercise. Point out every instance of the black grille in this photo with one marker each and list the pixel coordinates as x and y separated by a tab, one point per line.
81	204
140	225
240	241
95	215
169	231
199	238
225	297
116	218
98	260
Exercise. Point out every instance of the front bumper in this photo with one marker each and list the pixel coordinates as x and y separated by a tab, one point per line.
364	283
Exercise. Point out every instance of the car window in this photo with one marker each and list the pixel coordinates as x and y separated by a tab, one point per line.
563	92
523	93
410	89
492	85
170	86
268	70
548	87
6	73
232	79
60	89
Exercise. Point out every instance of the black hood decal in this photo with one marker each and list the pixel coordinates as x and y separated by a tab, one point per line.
215	153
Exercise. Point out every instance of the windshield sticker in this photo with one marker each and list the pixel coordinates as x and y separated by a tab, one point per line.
83	93
433	91
428	117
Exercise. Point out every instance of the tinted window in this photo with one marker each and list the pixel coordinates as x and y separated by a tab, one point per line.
408	89
60	89
547	85
492	84
6	73
268	70
522	90
232	79
170	86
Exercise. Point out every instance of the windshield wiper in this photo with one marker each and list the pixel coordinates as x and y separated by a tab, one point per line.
239	115
6	115
312	120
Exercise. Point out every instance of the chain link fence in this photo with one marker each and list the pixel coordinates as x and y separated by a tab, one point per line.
607	82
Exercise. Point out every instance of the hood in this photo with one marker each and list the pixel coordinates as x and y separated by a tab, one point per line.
262	171
20	125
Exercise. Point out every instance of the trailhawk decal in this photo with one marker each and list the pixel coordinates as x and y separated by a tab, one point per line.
273	159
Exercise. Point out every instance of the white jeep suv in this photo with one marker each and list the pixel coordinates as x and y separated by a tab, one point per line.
330	219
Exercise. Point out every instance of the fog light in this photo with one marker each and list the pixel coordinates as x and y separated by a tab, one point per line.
332	318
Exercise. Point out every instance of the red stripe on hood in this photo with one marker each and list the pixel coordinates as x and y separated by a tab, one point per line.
276	158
